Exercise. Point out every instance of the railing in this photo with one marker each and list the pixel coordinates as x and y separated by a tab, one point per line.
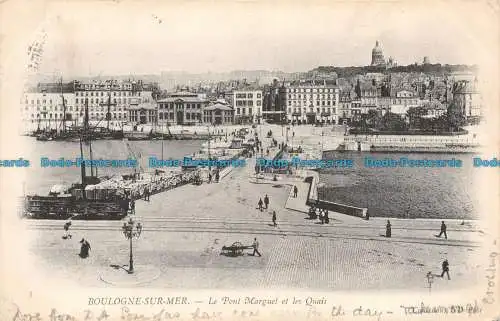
408	140
331	206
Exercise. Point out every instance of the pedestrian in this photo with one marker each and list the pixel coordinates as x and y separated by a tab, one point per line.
217	176
443	230
84	248
446	269
260	204
321	216
266	201
274	219
295	191
255	246
209	178
388	229
327	219
67	235
267	152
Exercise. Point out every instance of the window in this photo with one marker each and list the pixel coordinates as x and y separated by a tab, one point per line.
249	111
259	95
258	102
249	95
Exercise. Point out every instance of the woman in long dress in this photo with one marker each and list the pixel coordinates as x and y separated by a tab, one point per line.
84	248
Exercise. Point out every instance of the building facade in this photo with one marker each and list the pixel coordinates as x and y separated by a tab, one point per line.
181	108
218	114
309	103
467	98
247	105
45	102
47	107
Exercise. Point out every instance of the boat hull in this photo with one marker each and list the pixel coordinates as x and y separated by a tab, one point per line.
63	208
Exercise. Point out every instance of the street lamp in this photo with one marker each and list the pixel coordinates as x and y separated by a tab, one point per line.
131	230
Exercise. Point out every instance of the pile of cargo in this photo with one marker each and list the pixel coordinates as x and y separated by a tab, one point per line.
135	188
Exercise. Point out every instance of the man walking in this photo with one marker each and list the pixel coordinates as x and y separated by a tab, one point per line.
67	234
388	229
274	219
443	230
260	204
255	246
295	191
446	269
266	201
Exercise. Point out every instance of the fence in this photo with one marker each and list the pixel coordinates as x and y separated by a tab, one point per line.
332	206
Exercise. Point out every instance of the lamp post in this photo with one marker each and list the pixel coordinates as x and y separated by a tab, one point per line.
131	230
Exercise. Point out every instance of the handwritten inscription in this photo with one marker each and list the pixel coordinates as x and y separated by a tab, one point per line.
35	52
489	297
312	308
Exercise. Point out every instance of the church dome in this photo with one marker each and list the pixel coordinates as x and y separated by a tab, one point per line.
377	49
377	55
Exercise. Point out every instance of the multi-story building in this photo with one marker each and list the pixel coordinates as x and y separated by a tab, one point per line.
346	97
122	98
45	104
368	93
274	102
247	105
467	98
404	100
310	102
181	108
47	107
218	113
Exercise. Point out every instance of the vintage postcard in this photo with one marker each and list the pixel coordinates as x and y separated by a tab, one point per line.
249	160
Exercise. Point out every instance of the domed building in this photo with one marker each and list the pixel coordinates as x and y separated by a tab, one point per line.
377	56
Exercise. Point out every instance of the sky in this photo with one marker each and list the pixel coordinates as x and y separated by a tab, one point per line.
124	38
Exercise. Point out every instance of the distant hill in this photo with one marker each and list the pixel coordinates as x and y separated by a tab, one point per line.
346	72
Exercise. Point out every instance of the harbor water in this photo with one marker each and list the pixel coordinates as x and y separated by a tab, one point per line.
403	192
39	180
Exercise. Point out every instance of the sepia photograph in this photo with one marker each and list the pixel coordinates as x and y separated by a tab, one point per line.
249	160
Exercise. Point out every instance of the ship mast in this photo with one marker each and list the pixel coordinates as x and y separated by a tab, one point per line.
89	137
83	163
109	104
64	109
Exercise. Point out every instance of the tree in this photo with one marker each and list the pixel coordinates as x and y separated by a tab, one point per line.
415	115
456	117
393	122
373	119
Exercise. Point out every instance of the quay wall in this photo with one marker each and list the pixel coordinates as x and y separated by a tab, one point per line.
312	200
412	143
